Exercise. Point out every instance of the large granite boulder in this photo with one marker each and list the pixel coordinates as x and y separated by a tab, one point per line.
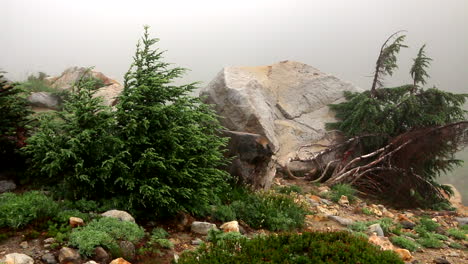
44	100
109	89
286	102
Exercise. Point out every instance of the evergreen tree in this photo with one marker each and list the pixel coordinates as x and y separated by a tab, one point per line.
418	70
171	137
14	117
386	61
75	149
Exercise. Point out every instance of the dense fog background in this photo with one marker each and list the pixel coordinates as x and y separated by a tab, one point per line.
340	37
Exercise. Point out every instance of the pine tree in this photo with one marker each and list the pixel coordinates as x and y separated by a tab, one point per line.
14	117
386	61
171	137
75	149
418	70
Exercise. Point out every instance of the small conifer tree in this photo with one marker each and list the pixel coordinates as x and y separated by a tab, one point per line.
172	138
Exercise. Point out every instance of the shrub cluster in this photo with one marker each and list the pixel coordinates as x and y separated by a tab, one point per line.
339	247
269	210
104	232
340	189
18	210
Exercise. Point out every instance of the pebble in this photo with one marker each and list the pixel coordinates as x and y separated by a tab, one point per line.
24	245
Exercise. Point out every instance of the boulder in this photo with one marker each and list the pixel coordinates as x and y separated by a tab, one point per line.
252	159
127	249
109	93
100	255
7	186
73	74
49	258
383	242
75	222
44	100
122	215
377	229
286	102
232	226
17	258
404	254
120	261
202	228
69	256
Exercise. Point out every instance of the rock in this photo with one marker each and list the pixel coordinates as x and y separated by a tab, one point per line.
388	214
375	210
407	224
122	215
202	228
197	242
462	221
73	74
7	186
100	255
109	93
441	261
454	254
24	245
325	211
383	242
323	189
343	200
286	102
44	99
176	258
376	228
75	222
341	220
120	261
69	256
232	226
49	258
127	250
252	161
404	254
91	262
327	202
17	258
49	240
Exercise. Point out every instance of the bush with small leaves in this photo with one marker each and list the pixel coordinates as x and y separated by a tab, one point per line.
430	241
104	232
342	189
428	224
337	247
223	213
18	210
406	243
457	233
159	237
288	189
456	245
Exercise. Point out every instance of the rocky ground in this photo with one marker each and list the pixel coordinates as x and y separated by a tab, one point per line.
187	233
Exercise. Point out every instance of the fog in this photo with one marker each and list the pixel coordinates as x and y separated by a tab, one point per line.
338	37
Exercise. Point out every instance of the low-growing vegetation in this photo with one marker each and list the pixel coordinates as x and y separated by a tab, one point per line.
406	243
339	247
342	189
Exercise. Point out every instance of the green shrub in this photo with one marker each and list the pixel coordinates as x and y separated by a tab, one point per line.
405	243
408	234
159	237
37	84
64	216
430	241
18	210
337	247
104	232
456	245
219	237
223	213
428	224
338	190
457	233
288	189
359	226
269	210
367	211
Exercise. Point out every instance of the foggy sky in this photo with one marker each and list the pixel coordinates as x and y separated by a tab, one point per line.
338	37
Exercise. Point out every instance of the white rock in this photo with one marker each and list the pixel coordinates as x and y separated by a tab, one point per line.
122	215
202	227
17	258
232	226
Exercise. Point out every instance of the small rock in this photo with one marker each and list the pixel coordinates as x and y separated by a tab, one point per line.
49	258
127	250
202	228
312	202
407	224
325	211
376	228
24	245
91	262
343	200
197	242
441	261
323	189
404	254
49	240
122	215
388	214
17	258
462	221
120	261
176	258
375	210
7	186
75	222
69	255
100	255
341	220
383	242
325	201
232	226
454	254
